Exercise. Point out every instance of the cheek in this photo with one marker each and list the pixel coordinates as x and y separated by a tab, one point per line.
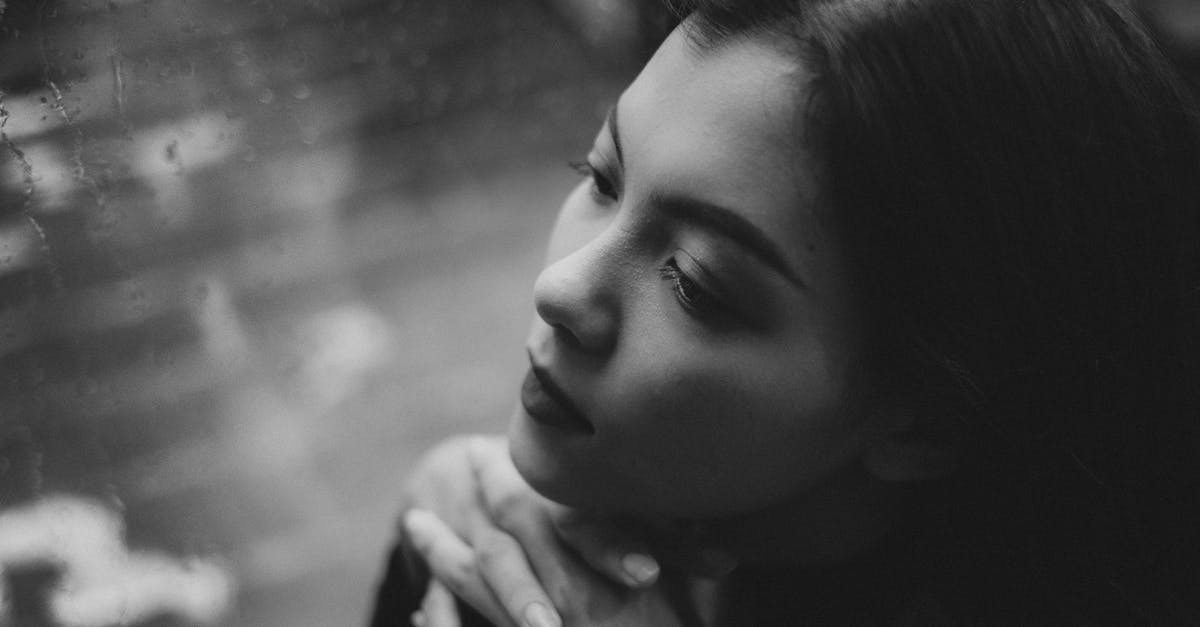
715	429
775	383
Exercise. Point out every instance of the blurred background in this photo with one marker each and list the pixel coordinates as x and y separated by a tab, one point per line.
256	255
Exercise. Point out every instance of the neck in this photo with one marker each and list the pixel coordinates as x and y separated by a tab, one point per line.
828	525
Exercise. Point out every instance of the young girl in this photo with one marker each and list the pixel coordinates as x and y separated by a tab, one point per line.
894	303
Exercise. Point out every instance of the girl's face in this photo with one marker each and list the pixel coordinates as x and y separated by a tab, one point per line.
694	337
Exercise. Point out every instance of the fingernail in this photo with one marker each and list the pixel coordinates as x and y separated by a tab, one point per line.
718	562
538	615
641	568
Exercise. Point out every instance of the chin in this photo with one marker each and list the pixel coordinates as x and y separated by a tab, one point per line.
546	467
563	469
537	466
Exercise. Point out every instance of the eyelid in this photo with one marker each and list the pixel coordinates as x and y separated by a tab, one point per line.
736	307
604	165
696	272
600	174
582	168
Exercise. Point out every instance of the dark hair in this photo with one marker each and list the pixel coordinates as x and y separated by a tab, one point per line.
1016	185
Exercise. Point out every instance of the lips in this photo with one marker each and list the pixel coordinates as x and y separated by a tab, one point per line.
547	405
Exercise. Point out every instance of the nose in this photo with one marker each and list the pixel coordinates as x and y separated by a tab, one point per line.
577	296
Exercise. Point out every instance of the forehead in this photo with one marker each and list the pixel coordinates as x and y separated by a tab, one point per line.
725	123
738	98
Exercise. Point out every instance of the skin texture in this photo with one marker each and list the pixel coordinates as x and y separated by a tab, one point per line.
489	540
714	376
1010	281
721	388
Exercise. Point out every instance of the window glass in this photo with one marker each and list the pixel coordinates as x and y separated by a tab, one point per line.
254	256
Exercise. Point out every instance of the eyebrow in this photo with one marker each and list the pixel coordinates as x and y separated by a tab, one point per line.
714	218
731	225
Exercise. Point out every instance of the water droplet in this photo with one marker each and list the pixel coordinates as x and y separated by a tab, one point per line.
200	293
438	95
88	386
301	92
266	96
407	93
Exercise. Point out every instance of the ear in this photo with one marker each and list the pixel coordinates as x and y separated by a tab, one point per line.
913	448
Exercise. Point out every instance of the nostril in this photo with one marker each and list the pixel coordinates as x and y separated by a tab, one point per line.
577	303
566	335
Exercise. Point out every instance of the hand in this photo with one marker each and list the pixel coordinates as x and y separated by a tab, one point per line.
499	539
587	598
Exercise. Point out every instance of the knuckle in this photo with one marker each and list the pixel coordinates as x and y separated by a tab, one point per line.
568	517
570	525
584	539
421	544
483	450
492	548
508	509
459	574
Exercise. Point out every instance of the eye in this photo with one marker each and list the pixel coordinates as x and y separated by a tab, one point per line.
603	190
694	298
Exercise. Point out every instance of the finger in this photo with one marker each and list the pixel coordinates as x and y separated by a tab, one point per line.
510	504
452	563
632	554
693	548
516	510
438	608
615	550
498	484
713	562
503	566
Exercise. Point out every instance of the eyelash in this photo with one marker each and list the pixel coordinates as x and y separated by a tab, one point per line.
691	296
688	292
603	190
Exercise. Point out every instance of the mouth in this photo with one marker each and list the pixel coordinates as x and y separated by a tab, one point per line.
548	405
